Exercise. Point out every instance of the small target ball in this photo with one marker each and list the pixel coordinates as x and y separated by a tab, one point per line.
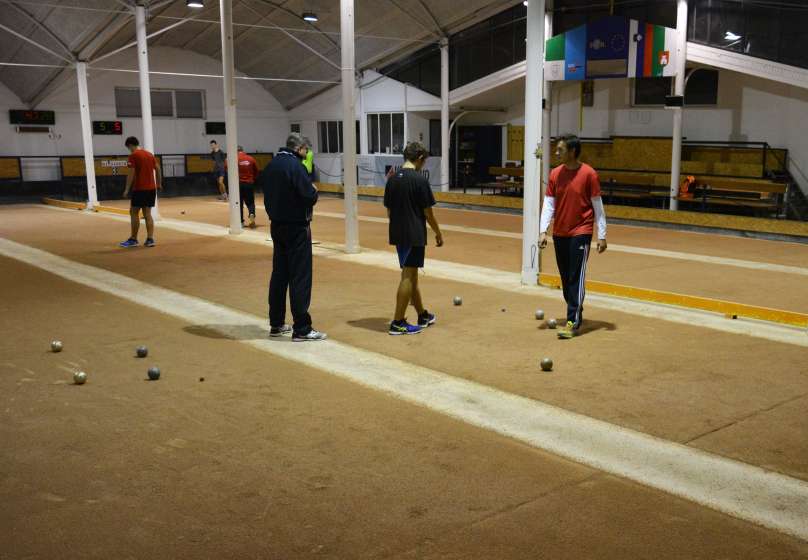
79	378
201	379
539	314
503	310
458	300
142	351
183	212
546	364
56	346
154	373
552	323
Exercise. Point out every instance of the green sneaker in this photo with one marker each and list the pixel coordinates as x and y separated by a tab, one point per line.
568	331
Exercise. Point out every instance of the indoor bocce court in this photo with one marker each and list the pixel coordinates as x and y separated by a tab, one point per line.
647	400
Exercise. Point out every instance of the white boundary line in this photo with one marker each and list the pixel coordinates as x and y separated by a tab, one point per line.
500	280
694	257
770	499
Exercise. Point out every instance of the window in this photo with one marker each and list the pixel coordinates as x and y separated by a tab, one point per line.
702	89
651	91
183	104
386	133
329	137
190	104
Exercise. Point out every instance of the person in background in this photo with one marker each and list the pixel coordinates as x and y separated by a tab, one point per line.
219	159
247	173
144	178
289	199
573	199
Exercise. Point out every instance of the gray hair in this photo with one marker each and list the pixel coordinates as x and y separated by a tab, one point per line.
295	141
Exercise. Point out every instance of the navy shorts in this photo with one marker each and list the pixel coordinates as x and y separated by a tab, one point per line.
144	199
411	256
220	173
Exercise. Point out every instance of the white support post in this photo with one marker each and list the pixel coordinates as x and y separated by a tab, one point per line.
406	119
444	115
348	126
86	135
230	121
546	147
533	126
145	84
678	89
363	120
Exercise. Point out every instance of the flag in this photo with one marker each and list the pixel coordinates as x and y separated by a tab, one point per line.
652	49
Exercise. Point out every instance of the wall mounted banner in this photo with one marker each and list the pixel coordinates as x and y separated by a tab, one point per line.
611	47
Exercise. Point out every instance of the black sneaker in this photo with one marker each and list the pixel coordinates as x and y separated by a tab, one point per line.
425	319
279	331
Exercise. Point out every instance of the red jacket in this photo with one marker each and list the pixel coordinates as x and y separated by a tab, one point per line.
247	168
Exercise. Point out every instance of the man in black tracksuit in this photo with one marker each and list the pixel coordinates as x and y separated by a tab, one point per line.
289	199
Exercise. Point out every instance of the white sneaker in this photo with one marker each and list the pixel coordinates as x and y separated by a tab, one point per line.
312	335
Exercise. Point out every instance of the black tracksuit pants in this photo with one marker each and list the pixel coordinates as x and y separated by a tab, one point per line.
292	271
247	196
572	254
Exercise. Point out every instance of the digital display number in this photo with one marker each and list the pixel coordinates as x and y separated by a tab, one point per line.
107	127
23	116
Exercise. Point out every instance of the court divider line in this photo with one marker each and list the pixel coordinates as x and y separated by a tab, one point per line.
751	493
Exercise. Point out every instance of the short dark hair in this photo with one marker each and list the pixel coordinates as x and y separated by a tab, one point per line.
240	148
132	141
572	142
213	142
415	151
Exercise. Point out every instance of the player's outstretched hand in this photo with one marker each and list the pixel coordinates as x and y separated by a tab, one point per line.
439	239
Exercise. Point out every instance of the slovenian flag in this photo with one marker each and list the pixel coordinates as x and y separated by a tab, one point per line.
652	49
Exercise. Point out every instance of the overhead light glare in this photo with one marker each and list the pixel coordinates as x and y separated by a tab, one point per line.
309	16
195	3
524	3
730	36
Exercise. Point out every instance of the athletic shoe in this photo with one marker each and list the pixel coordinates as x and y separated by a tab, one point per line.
279	331
129	243
149	242
251	219
425	319
568	331
403	327
311	335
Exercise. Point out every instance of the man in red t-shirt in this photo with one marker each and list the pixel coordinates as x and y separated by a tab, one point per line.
573	197
141	181
247	172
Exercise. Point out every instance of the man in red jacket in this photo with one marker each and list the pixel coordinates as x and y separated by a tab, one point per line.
573	199
247	172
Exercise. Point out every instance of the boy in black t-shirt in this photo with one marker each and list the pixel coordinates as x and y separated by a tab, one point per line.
409	201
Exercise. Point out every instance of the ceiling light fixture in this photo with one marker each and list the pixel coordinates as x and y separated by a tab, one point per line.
309	16
730	36
195	3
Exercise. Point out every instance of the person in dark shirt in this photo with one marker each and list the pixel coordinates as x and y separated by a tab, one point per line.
219	158
409	201
289	199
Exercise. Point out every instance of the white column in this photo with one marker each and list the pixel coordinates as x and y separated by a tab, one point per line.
533	127
678	89
545	122
143	73
86	135
444	115
406	118
363	120
231	126
145	84
348	126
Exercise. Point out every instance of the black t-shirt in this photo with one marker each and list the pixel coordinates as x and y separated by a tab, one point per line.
219	158
407	194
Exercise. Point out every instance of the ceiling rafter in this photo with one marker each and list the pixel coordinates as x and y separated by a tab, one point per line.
30	17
